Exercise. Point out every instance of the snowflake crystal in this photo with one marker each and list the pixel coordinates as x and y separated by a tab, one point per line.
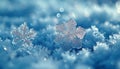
68	35
23	35
70	29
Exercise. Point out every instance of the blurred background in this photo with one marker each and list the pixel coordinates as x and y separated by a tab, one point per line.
85	12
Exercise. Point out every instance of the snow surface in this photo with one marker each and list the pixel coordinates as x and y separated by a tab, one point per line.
59	34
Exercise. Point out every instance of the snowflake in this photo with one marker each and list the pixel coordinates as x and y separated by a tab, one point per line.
23	35
68	35
69	29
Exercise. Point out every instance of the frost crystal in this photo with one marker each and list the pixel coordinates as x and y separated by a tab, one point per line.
70	29
67	33
41	53
23	35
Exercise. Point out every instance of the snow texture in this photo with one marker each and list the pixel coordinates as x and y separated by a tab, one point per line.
59	34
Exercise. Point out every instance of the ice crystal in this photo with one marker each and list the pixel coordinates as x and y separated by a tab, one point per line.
71	57
41	53
67	33
23	35
69	29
